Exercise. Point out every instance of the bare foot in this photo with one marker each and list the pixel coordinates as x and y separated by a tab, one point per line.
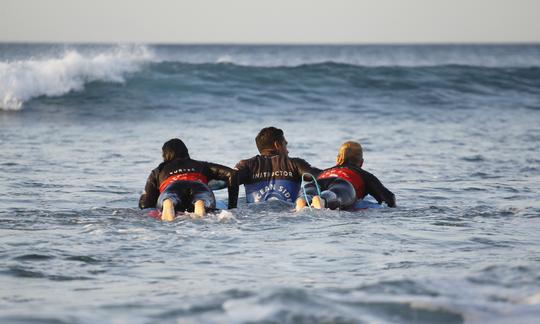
300	204
168	212
200	211
317	203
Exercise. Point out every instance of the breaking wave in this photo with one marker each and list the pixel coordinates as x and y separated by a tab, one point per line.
22	80
331	69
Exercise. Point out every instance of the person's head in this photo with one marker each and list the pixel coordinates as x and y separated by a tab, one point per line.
350	153
174	149
271	139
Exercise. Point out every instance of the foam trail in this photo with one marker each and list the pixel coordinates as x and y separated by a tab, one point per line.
21	81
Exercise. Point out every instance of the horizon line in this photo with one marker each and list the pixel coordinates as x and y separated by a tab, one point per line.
465	43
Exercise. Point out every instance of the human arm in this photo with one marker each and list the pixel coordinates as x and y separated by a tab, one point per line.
243	171
304	167
230	176
376	189
151	191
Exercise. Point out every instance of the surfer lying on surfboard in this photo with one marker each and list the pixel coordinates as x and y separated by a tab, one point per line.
343	184
272	175
181	184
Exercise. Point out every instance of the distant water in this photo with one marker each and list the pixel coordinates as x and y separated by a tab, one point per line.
453	131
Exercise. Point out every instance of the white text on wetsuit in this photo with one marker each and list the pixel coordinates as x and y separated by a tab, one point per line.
279	173
182	171
271	186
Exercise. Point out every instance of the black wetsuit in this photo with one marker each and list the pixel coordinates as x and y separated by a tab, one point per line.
342	185
187	179
272	176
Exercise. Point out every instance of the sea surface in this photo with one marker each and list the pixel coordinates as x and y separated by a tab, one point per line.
453	131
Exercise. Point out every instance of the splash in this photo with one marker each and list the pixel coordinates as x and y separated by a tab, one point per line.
224	59
23	80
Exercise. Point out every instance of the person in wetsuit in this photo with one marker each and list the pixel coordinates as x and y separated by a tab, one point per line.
344	183
180	183
272	175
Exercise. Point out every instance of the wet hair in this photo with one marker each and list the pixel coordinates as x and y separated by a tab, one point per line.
350	152
267	136
174	149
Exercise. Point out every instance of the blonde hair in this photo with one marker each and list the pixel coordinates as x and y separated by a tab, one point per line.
350	152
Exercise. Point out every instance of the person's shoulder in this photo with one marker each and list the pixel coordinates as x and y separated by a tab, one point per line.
190	160
305	165
360	170
366	175
154	174
255	157
160	167
332	168
246	162
201	164
213	165
298	160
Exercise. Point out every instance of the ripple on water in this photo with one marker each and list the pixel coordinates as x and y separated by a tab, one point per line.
23	272
474	158
33	257
83	258
510	276
289	305
398	287
26	319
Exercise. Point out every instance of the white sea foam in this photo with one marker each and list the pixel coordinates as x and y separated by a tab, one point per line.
225	216
23	80
225	59
370	56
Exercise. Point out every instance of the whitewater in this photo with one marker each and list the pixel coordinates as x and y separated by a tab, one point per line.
57	70
452	130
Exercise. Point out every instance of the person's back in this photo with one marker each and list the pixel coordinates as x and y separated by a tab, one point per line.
344	183
180	182
363	182
272	174
184	169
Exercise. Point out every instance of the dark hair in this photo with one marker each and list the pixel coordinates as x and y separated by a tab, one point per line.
267	136
174	149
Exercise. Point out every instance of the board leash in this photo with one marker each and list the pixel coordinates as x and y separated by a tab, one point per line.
303	185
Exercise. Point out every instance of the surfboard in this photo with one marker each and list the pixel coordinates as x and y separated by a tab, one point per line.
217	184
156	213
367	203
212	184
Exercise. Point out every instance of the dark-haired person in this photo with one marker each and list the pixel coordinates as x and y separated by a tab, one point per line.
180	183
272	174
344	183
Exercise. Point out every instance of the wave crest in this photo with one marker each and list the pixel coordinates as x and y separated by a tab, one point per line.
23	80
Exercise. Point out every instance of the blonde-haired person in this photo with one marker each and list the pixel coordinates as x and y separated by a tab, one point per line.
344	183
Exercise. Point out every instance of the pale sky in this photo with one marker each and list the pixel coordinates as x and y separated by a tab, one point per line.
270	21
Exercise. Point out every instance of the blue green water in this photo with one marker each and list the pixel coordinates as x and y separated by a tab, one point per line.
453	131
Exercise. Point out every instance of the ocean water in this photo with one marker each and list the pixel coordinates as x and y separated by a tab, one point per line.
453	131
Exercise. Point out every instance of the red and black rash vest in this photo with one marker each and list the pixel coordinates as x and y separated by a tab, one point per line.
364	183
186	169
272	176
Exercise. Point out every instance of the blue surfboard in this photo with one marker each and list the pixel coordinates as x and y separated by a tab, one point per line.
367	203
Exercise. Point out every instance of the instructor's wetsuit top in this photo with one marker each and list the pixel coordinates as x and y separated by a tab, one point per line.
364	183
188	170
272	176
